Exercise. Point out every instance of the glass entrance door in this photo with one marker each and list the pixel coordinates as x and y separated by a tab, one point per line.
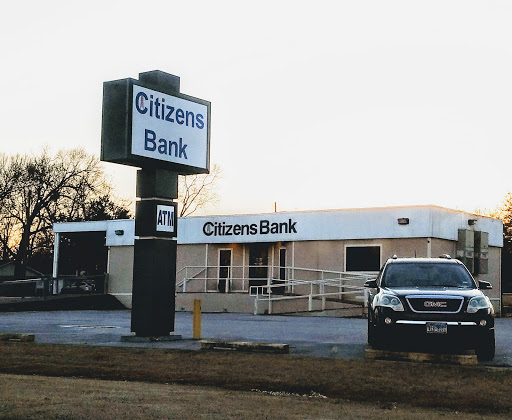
282	273
258	264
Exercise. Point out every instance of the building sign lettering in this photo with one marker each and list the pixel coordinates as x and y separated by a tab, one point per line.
264	227
169	128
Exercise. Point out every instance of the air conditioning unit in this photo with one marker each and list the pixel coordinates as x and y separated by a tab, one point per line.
466	248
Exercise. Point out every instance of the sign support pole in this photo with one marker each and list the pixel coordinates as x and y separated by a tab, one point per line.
154	264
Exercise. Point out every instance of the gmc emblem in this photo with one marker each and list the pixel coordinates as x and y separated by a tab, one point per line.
432	304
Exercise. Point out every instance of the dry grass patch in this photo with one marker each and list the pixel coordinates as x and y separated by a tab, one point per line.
41	397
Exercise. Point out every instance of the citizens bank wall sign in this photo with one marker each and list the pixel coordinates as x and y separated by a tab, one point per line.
240	229
146	127
263	227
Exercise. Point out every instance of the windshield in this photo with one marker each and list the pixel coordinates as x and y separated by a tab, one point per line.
427	275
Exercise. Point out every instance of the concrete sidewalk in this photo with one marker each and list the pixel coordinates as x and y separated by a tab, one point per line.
341	338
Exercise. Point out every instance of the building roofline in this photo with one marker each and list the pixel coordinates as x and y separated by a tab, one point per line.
27	267
426	206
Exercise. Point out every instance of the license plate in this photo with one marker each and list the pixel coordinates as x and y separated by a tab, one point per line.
437	328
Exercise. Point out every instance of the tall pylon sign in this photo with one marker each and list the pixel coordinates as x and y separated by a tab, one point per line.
149	124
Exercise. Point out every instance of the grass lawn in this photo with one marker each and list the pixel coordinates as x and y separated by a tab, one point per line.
42	397
236	382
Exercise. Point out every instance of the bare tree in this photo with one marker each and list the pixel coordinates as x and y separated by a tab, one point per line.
504	213
47	189
197	191
10	171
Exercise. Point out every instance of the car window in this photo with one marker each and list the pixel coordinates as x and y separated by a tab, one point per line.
427	275
379	277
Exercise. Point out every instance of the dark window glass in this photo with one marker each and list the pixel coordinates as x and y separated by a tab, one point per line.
258	261
363	258
224	270
282	263
426	275
258	265
224	263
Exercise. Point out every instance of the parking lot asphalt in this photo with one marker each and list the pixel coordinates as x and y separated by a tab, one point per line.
340	338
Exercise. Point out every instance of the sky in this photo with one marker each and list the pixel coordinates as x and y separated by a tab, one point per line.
315	105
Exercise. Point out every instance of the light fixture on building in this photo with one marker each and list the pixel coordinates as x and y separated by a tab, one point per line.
119	232
471	222
403	221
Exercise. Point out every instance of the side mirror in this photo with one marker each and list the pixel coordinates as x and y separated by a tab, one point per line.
484	285
372	284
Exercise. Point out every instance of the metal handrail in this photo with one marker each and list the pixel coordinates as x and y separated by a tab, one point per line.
49	285
344	275
264	293
346	283
183	282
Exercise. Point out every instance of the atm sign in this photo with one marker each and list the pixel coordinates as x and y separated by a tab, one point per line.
165	218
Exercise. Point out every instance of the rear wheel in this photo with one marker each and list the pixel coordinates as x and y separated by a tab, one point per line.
487	347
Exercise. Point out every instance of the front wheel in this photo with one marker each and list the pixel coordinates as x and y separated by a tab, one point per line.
487	347
375	340
371	332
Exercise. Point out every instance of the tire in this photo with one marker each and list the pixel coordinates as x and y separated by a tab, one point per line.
487	348
374	335
371	332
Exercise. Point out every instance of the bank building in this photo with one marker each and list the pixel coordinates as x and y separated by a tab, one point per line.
308	262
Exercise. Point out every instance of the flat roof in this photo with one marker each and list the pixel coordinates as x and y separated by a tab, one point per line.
345	224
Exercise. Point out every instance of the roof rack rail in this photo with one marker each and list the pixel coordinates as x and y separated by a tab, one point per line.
447	256
394	257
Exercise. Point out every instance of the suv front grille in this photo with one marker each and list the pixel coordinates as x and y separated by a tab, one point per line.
435	303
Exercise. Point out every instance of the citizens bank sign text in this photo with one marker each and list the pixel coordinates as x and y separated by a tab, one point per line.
264	227
149	127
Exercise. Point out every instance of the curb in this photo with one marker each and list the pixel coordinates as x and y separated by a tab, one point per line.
245	346
457	359
17	337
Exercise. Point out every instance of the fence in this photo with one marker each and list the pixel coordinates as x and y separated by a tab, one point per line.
48	286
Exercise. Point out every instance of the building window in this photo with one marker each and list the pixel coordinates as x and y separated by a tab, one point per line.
362	258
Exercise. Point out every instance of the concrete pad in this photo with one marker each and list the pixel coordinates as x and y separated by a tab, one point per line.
458	359
136	339
17	337
245	346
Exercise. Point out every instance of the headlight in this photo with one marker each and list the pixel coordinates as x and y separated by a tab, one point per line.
477	303
389	301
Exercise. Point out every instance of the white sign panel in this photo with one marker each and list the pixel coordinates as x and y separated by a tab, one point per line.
351	224
169	128
165	218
